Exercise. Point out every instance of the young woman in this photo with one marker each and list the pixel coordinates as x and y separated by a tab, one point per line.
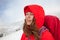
33	27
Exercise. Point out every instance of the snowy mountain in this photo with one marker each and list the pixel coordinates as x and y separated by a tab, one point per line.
11	28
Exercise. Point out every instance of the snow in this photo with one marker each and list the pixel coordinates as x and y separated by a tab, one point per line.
14	36
11	28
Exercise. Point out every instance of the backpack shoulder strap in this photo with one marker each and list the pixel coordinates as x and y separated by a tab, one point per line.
42	29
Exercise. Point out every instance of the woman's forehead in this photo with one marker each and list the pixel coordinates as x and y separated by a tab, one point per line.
29	13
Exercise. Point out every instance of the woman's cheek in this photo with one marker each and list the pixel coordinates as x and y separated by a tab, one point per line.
32	17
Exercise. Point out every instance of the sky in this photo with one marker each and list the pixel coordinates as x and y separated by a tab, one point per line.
11	11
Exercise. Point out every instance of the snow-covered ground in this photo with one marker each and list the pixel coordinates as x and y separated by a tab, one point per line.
14	36
10	33
11	28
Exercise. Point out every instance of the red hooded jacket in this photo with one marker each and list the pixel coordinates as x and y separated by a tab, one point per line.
39	16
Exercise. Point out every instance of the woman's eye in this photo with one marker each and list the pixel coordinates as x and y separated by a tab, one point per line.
31	13
26	13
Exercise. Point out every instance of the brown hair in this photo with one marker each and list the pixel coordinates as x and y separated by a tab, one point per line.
31	29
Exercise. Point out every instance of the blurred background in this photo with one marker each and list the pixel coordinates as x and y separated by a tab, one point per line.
12	14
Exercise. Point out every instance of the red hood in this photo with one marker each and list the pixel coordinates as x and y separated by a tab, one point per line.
38	14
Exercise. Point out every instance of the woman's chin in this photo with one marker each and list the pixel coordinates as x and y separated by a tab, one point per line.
28	24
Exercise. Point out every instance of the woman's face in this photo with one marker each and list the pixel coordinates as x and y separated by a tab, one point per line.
29	17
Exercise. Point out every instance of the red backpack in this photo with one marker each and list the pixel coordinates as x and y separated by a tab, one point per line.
52	23
59	31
